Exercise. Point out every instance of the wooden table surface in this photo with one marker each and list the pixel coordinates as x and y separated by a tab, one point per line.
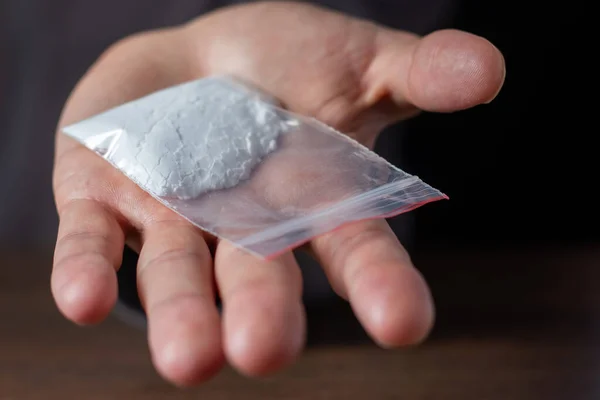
512	324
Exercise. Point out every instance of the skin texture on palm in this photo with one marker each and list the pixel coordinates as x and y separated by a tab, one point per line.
346	72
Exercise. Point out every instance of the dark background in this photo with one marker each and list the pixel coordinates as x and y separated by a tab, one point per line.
521	170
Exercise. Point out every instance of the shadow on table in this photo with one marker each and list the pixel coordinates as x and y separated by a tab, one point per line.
518	293
508	293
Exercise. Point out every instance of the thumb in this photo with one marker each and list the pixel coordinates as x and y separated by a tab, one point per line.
445	71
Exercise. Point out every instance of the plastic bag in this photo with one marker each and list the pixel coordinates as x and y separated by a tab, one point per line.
229	160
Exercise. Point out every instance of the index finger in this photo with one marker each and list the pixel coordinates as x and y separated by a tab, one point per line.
88	250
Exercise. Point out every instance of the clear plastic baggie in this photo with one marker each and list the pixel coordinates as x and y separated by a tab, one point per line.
231	161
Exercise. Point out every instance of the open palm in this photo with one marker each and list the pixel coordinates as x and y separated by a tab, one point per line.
349	73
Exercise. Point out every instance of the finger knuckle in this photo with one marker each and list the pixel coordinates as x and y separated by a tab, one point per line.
182	256
352	242
179	302
89	217
78	244
79	259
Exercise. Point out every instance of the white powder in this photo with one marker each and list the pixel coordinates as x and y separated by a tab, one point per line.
186	140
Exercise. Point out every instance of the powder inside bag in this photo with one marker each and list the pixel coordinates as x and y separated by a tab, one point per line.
191	139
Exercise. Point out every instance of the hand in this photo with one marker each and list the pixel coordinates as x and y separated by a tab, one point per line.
349	73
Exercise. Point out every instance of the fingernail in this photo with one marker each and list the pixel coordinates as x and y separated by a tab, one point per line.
501	82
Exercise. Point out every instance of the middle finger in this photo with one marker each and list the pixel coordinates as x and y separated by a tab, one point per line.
175	282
